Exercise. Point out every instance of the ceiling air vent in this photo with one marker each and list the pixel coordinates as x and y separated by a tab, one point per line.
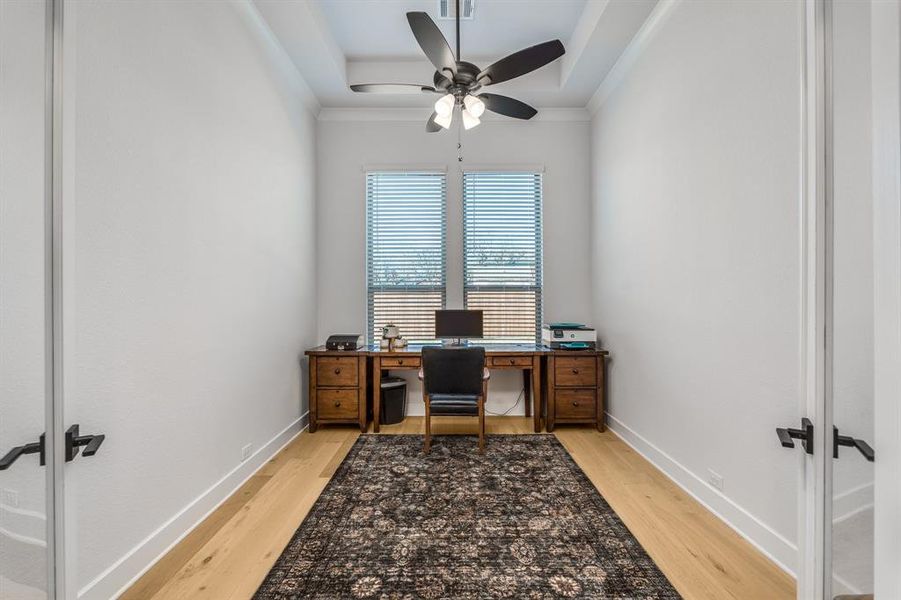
447	9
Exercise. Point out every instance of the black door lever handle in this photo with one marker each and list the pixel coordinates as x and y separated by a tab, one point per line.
787	435
93	445
13	455
846	440
74	442
865	449
785	438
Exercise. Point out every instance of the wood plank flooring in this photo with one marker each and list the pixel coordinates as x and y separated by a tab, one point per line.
227	556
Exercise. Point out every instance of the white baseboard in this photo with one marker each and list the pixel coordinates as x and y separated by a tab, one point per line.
124	572
780	550
849	503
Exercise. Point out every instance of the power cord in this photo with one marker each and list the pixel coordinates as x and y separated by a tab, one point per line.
509	410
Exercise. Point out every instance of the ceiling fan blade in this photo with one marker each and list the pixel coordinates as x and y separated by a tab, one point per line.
511	107
431	126
432	42
522	62
392	88
441	82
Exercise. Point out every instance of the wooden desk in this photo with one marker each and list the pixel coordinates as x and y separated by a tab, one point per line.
341	382
525	358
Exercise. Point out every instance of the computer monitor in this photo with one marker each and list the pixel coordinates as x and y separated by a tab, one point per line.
458	325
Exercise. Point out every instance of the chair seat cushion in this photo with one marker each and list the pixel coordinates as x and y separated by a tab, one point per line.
454	404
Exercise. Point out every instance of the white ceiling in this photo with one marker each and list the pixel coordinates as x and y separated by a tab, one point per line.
335	43
498	27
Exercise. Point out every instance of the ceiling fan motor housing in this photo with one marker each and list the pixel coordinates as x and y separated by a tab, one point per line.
463	83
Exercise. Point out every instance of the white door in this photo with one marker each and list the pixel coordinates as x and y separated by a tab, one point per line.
860	421
850	517
26	455
850	305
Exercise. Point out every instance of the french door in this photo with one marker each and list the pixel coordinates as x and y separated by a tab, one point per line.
850	475
29	467
851	462
36	444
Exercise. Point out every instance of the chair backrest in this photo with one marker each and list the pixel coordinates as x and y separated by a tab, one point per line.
453	370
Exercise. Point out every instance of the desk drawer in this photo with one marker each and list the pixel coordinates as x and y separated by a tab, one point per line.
576	371
510	361
576	404
336	371
337	404
401	362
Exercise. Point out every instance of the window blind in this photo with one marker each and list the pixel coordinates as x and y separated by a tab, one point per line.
405	249
502	253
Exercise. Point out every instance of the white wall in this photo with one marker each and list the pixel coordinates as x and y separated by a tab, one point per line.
346	147
695	233
190	268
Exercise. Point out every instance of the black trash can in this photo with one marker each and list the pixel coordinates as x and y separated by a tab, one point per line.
394	400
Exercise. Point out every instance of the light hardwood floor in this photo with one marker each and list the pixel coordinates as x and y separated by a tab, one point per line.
227	556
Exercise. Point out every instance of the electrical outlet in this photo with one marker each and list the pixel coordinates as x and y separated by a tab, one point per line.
9	498
715	479
245	452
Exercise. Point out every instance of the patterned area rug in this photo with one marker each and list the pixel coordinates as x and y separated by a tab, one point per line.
520	521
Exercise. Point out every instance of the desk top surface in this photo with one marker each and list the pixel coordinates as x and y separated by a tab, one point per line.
415	349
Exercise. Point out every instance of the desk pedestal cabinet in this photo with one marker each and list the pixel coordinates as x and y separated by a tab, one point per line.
337	389
575	389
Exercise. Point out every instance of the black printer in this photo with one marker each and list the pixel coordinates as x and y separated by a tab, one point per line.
344	341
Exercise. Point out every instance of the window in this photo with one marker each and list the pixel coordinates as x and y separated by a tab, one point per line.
502	253
405	227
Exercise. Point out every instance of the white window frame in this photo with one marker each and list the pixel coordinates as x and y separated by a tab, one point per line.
373	289
538	286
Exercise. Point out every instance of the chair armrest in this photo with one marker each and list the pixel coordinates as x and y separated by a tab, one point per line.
421	375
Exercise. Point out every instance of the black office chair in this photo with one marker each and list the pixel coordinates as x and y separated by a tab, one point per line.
454	383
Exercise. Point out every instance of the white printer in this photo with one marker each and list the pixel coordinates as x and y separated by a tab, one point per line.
568	336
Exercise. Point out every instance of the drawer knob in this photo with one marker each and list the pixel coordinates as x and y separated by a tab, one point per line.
575	371
337	403
400	362
337	370
575	403
512	361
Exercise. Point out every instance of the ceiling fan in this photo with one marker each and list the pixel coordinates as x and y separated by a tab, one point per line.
459	81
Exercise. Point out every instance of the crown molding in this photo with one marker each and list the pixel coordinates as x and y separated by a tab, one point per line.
421	114
280	56
581	36
630	55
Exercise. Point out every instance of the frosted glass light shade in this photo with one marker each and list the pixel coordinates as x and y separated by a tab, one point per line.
469	121
445	105
474	105
444	120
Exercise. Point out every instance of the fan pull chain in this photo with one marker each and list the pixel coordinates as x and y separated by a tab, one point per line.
459	143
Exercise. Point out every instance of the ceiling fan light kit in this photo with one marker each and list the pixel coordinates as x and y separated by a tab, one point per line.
459	81
445	105
444	120
469	120
475	106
